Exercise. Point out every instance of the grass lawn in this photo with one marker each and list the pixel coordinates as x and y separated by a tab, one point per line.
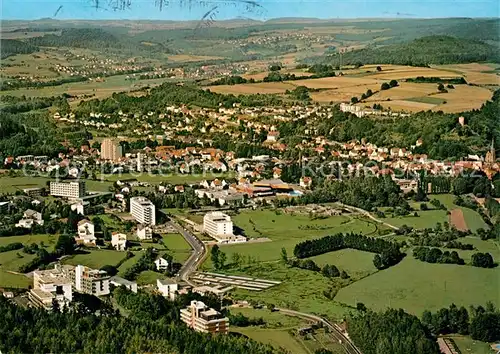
13	184
127	264
426	219
417	286
356	263
149	277
48	240
468	345
96	258
300	289
285	230
9	280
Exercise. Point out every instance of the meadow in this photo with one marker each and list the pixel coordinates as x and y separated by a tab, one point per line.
96	258
416	286
10	184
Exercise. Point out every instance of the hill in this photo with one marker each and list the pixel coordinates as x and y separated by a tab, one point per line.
425	51
13	47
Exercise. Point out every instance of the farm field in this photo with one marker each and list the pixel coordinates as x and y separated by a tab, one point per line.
476	73
473	220
416	286
247	89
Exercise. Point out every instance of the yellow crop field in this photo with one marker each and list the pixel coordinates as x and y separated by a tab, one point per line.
246	89
188	57
335	82
404	90
463	98
410	72
342	94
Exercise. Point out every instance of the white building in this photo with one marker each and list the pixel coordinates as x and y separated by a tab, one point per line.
80	207
119	241
72	190
86	234
143	210
203	319
30	217
118	281
219	226
167	288
144	232
49	286
161	264
90	281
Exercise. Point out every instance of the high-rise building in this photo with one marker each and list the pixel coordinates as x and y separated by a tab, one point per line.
143	210
89	281
219	226
491	155
203	319
68	189
110	150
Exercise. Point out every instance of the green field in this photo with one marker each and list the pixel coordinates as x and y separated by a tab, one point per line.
96	258
472	218
9	280
356	263
417	286
426	99
285	230
13	184
173	178
468	345
149	277
280	331
28	239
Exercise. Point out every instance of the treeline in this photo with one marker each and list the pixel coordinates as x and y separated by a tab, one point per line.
387	253
425	51
481	323
435	255
32	330
13	46
11	247
438	80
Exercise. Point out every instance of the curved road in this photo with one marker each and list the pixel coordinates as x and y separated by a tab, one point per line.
199	250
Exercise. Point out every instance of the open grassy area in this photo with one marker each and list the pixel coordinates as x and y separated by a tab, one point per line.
149	277
472	218
173	178
13	184
9	280
417	286
356	263
96	258
468	345
300	289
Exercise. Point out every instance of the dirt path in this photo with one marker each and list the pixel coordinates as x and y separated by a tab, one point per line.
457	220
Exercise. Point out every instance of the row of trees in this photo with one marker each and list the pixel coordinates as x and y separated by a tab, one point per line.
435	255
388	253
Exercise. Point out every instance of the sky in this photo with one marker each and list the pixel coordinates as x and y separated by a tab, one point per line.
268	9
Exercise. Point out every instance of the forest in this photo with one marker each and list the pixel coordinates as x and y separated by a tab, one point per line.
426	51
153	326
13	47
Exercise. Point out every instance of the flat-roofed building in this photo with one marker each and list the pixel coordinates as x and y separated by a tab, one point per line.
89	281
201	318
86	233
119	241
143	210
72	190
51	286
144	232
219	226
118	281
167	288
33	192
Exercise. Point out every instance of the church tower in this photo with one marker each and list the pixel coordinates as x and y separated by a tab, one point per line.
490	155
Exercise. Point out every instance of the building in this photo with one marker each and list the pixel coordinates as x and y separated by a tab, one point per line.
30	218
219	226
89	281
110	150
86	234
203	319
143	210
33	192
119	241
161	264
144	232
72	190
491	155
118	281
80	207
50	286
167	288
4	207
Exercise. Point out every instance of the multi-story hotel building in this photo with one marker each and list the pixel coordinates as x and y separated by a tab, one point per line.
219	226
203	319
72	190
110	150
89	281
143	210
51	286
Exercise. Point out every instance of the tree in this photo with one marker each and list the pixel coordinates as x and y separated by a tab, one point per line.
385	86
65	245
483	260
214	255
222	260
361	307
111	270
377	262
379	68
393	83
284	256
354	100
441	87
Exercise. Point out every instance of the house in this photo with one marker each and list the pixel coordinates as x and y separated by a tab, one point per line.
119	241
167	288
33	215
25	223
305	182
161	264
86	234
80	207
144	232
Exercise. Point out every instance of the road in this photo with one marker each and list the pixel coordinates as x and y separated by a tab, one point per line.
196	257
335	331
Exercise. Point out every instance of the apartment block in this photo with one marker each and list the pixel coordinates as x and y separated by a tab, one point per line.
201	318
219	226
143	210
89	281
71	190
110	150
